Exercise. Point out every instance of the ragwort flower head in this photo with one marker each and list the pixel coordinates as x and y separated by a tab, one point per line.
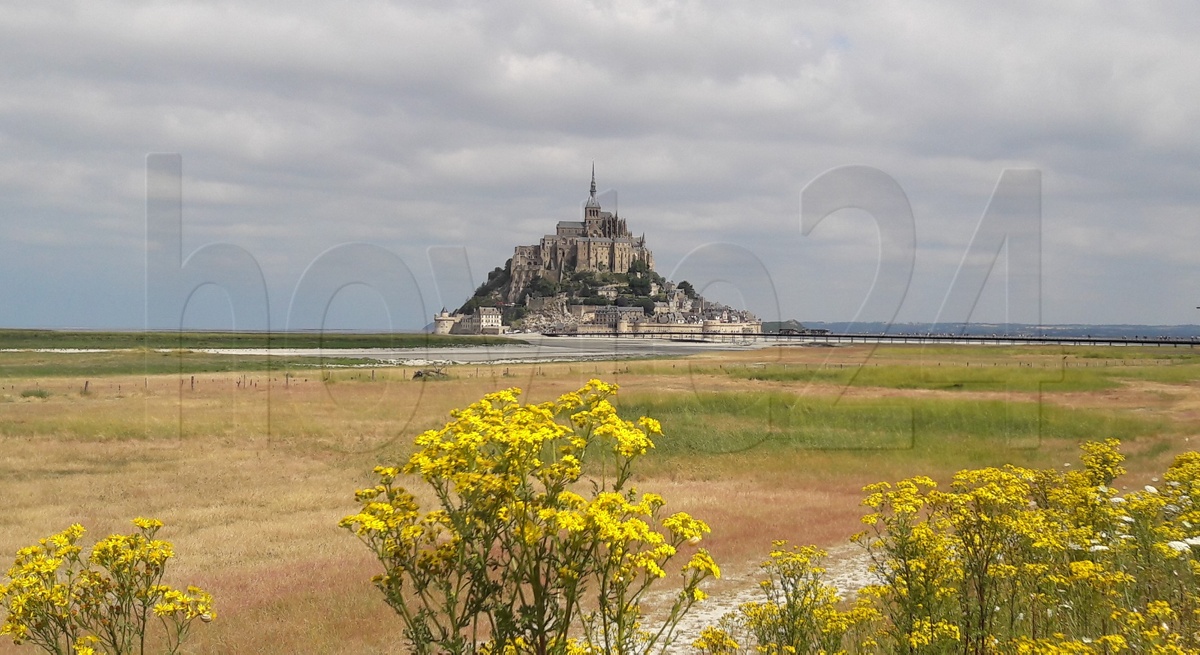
506	477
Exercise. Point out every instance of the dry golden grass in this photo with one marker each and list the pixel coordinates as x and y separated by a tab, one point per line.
251	474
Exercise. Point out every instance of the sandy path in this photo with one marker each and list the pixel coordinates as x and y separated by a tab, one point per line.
846	568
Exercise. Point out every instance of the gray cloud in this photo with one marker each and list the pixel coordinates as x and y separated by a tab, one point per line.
408	125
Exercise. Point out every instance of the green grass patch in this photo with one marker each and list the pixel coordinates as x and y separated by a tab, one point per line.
999	353
36	339
728	422
1135	353
957	377
35	393
134	362
1023	369
1180	373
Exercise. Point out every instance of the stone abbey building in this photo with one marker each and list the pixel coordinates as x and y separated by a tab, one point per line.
600	242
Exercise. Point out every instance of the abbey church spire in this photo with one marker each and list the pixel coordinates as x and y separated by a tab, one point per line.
592	208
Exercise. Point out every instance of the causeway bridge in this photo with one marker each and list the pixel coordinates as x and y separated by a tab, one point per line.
833	339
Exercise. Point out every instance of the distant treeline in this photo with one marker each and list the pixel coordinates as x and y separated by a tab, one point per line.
37	339
1010	329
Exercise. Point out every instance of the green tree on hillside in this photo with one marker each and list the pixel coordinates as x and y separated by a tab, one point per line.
640	278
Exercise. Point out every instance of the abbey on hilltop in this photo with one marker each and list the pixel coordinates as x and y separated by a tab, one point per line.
600	242
591	276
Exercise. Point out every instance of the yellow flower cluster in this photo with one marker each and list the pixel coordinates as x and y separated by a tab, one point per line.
1006	560
716	641
801	613
1017	559
37	598
513	548
61	602
195	604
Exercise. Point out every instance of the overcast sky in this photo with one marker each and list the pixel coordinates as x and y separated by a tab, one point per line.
363	141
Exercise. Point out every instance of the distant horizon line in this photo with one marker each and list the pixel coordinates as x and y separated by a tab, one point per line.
423	329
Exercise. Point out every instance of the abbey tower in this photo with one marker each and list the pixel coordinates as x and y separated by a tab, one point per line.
599	242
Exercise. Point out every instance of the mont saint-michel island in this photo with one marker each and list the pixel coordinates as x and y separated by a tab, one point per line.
591	277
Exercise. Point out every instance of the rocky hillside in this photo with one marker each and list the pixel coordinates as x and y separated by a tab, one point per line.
543	304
